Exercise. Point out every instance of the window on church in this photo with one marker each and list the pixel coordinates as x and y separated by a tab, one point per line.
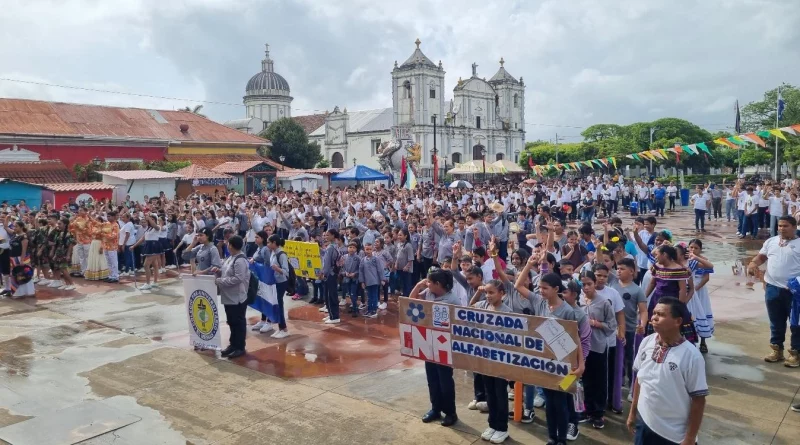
515	125
516	101
433	93
376	144
266	124
407	87
478	122
499	157
456	158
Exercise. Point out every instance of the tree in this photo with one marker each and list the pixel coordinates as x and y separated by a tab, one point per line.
760	115
195	110
289	139
600	132
323	164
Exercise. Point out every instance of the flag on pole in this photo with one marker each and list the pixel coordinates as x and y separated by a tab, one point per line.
781	105
738	124
530	162
411	184
403	172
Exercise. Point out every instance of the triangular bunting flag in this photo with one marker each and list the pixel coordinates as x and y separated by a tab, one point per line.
763	133
574	165
635	156
789	130
739	140
735	140
704	147
605	163
613	161
692	148
777	134
756	140
796	127
663	152
629	156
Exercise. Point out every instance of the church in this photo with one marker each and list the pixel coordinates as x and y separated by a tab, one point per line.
485	119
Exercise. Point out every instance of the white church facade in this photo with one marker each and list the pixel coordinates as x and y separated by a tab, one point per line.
484	118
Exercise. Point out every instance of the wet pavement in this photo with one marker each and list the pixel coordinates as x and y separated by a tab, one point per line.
330	384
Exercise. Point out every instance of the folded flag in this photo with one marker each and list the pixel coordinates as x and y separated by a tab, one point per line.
267	299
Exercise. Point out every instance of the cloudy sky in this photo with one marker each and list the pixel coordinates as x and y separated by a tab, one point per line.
583	61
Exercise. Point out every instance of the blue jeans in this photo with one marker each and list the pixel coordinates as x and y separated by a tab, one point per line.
699	219
643	205
530	392
779	306
351	289
557	412
659	206
127	256
587	214
406	285
741	217
373	295
730	207
751	225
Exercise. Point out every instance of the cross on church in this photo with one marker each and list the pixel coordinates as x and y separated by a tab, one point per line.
502	61
474	69
267	49
417	42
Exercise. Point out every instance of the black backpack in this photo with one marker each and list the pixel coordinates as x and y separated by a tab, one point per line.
252	286
291	280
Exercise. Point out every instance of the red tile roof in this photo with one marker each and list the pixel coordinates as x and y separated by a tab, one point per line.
139	174
79	186
195	171
310	122
32	117
211	161
236	168
37	172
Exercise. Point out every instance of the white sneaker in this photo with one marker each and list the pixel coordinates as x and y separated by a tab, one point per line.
162	270
499	437
473	405
488	433
482	407
266	328
145	287
258	325
630	396
58	283
36	280
382	306
362	306
337	321
70	287
280	334
326	318
343	303
43	282
538	401
323	309
171	266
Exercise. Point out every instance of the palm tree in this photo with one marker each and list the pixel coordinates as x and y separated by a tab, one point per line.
195	110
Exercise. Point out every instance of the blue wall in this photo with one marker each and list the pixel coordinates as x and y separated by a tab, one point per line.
12	192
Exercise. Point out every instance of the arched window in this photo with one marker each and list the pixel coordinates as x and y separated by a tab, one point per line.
407	86
337	160
456	158
516	101
498	157
478	151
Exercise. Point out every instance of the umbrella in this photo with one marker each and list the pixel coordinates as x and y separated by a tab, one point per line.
460	185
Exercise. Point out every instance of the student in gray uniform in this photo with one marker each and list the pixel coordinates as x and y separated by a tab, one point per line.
328	277
349	273
203	251
405	262
438	287
370	275
494	387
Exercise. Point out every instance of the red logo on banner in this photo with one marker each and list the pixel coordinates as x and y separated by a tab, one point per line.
426	344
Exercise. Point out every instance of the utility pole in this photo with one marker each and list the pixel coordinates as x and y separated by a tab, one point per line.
433	154
650	147
557	139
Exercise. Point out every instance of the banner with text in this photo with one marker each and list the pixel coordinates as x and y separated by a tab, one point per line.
304	257
202	309
533	350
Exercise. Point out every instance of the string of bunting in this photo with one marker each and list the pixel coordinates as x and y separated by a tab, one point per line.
735	142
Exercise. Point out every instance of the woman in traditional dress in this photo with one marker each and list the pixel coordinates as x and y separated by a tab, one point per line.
96	264
670	279
700	304
21	271
151	250
62	254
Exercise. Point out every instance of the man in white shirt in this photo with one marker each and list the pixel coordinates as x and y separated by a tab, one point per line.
670	392
750	214
776	202
127	237
701	202
672	194
782	255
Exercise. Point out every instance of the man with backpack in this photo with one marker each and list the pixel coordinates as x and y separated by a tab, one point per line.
233	281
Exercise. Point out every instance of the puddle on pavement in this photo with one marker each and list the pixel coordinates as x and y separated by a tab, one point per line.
7	418
16	355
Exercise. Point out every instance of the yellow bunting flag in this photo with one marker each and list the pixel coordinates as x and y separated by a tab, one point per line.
777	133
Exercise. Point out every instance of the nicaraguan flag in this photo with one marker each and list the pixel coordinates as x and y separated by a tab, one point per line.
781	105
267	298
411	181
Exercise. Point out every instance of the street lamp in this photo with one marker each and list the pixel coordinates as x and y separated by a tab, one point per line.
434	152
354	162
282	158
97	161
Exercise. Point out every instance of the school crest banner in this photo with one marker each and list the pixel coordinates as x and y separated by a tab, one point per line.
202	310
533	350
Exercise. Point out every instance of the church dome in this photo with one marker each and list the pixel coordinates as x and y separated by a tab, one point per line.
267	82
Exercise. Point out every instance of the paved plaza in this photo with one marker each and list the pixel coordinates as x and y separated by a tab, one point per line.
111	360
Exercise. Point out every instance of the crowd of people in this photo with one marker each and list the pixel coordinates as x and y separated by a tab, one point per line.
554	248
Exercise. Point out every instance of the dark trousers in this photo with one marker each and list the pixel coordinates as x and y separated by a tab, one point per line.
319	291
672	203
280	289
238	323
762	217
779	306
573	215
646	436
497	399
441	388
406	283
127	259
594	384
332	297
416	275
250	249
179	255
716	204
611	368
751	224
502	247
699	219
556	409
627	370
137	257
659	206
478	387
640	276
426	264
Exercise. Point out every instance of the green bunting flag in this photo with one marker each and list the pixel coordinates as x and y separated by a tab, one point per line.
704	147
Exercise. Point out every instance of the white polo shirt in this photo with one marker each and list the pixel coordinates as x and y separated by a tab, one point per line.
612	295
668	385
782	262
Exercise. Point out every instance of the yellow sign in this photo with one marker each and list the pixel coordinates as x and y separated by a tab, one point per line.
304	257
